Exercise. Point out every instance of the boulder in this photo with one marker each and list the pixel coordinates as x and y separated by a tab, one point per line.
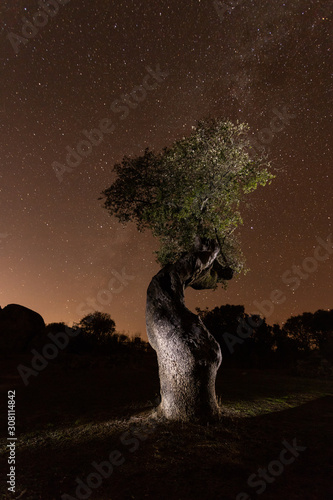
19	325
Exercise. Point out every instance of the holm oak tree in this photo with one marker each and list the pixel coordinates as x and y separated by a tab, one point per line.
189	195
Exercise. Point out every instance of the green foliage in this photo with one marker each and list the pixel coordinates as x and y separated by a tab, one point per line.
192	188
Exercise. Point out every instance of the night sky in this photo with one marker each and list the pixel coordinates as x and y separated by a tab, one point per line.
263	62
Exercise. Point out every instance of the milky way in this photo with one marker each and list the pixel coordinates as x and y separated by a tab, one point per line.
142	74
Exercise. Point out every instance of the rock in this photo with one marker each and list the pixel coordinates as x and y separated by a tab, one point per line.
19	325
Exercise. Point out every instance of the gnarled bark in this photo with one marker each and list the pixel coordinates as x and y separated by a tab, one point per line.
188	355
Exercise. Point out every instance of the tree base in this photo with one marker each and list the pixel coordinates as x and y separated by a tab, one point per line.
204	418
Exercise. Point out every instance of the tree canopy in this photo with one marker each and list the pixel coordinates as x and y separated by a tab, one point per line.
190	189
98	324
311	330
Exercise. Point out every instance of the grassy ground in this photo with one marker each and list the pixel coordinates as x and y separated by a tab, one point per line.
69	418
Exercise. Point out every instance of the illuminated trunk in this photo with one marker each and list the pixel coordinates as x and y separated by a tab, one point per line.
188	355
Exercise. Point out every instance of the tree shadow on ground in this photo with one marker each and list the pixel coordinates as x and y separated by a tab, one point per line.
184	461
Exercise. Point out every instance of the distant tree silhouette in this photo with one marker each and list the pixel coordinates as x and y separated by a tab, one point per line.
95	331
261	342
285	347
311	331
265	346
255	338
298	328
223	320
98	324
56	327
322	328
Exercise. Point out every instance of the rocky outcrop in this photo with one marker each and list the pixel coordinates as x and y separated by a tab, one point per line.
19	325
188	355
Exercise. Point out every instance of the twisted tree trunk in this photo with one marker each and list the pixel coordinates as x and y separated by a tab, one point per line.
188	355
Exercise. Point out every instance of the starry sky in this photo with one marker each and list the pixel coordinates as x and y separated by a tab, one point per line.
78	65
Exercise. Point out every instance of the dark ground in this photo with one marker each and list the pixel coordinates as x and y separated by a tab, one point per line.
69	417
